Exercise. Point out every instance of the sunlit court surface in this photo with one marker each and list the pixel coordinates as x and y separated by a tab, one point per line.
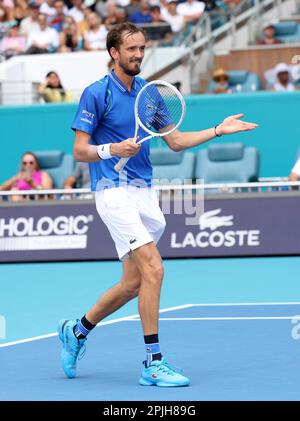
235	329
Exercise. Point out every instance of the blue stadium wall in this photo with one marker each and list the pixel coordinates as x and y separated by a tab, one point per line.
47	126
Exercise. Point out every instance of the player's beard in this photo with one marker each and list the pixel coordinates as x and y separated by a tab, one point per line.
133	71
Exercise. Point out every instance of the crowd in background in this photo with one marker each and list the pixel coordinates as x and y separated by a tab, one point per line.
45	26
280	78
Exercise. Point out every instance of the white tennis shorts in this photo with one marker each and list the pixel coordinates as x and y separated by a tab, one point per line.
132	216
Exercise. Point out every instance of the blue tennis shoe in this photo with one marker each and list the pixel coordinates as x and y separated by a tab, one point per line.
161	373
71	347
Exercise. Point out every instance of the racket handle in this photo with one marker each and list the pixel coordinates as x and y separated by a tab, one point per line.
121	164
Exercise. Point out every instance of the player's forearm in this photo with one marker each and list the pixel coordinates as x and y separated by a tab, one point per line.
86	153
185	140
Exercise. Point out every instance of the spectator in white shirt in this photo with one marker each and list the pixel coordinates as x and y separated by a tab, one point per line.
281	78
30	23
43	40
95	37
170	15
191	8
77	11
47	8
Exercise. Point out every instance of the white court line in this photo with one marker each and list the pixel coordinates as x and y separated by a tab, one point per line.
136	317
287	303
225	318
108	322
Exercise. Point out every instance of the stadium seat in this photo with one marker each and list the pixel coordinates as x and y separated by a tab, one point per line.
286	32
227	163
175	167
57	164
246	80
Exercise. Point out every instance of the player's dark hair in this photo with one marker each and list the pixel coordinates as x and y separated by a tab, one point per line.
115	35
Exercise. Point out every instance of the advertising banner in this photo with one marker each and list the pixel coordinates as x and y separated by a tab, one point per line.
251	226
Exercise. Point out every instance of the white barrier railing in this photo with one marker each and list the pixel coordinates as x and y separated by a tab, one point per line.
82	194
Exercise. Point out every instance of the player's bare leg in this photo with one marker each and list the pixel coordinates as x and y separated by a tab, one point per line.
119	294
73	333
149	263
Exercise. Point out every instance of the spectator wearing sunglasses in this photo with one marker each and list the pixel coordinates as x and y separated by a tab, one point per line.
30	177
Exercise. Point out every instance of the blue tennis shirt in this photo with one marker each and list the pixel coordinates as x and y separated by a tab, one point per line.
106	113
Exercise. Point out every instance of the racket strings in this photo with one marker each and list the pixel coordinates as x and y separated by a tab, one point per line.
159	107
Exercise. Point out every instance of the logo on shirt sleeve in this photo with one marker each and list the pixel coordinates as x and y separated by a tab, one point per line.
88	114
88	117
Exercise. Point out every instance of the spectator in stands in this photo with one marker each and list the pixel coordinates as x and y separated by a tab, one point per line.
124	3
30	177
52	90
121	15
160	31
20	9
174	19
133	7
30	23
95	37
100	8
269	36
192	8
69	39
283	78
83	26
143	15
105	9
57	20
77	11
222	82
80	177
12	43
110	13
4	20
44	40
3	16
210	5
156	16
68	4
47	8
8	4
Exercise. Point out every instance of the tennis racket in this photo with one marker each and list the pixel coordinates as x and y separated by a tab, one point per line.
159	110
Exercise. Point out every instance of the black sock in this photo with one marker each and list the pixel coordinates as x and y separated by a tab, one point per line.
83	328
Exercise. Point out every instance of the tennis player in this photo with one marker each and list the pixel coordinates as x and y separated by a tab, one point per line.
103	125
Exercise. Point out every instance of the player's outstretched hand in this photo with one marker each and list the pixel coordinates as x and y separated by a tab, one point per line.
125	148
232	124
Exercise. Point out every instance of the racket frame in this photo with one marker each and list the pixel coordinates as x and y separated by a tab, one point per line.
138	123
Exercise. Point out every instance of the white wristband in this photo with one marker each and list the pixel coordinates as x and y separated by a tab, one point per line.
104	151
